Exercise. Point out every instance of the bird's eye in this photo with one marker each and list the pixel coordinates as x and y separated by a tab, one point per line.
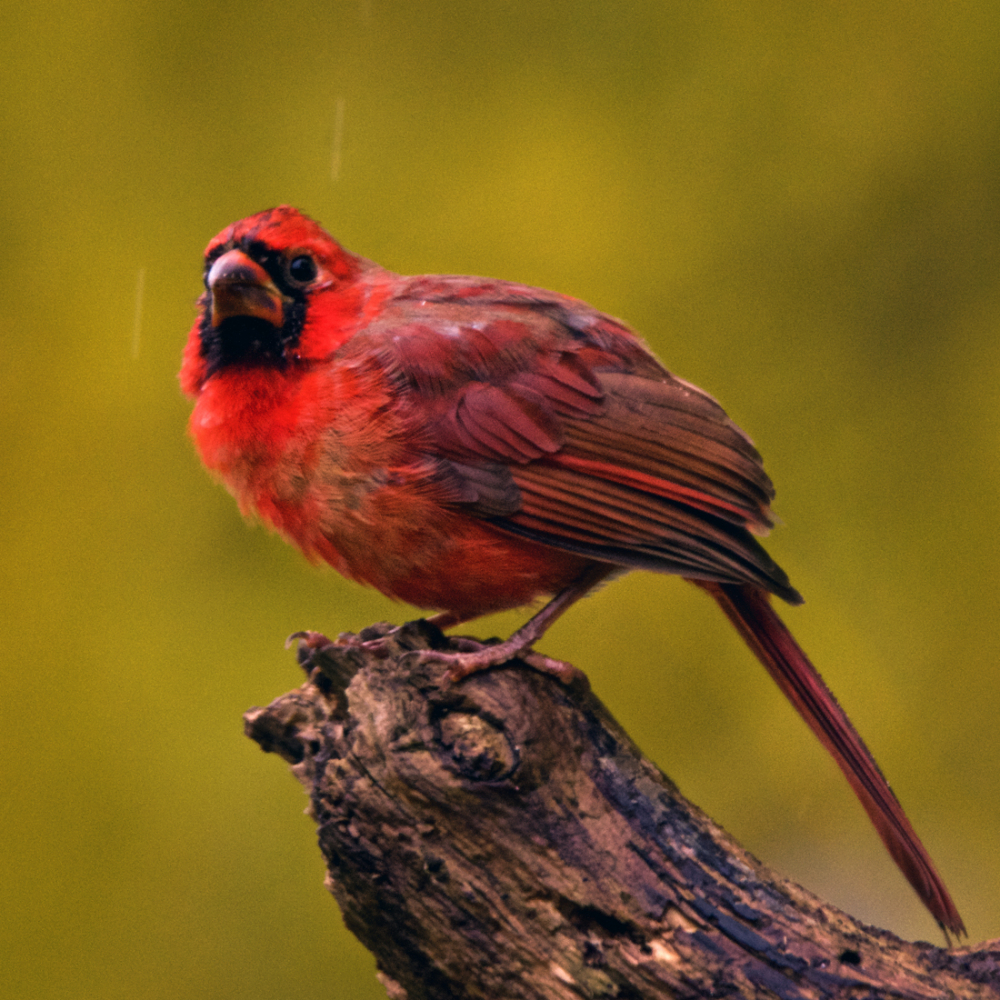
302	269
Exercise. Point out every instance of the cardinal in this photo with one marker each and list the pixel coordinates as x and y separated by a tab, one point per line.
469	446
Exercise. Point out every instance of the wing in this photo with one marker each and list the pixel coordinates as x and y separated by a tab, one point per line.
556	423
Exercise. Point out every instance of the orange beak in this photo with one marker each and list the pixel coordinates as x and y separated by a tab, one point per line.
241	287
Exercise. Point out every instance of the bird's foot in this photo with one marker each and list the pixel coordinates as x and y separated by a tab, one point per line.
381	639
466	656
470	656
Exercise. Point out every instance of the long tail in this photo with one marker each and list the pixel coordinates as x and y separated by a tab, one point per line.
749	609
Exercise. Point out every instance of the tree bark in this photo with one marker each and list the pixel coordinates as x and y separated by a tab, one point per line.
503	838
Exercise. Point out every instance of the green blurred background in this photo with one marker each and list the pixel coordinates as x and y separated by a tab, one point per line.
797	204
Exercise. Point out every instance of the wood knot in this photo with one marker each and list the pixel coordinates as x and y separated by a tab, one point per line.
481	750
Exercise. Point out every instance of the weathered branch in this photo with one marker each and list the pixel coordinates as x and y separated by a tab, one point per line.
503	838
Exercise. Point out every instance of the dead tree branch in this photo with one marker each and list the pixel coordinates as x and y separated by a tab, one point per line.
503	838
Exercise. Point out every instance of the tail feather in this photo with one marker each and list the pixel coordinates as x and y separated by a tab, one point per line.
749	609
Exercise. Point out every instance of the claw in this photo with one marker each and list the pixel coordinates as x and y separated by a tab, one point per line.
309	639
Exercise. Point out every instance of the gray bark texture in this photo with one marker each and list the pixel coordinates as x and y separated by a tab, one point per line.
502	837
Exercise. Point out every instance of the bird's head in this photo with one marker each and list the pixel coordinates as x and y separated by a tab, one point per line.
278	290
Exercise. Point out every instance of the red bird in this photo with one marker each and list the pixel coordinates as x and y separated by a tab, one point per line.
469	446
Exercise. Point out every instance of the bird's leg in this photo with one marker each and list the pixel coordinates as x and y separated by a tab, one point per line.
481	656
474	655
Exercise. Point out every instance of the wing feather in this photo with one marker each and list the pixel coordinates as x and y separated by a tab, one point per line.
632	527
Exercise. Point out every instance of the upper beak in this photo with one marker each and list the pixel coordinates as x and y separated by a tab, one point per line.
241	287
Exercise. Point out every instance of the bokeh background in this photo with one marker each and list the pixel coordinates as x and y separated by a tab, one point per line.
799	207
